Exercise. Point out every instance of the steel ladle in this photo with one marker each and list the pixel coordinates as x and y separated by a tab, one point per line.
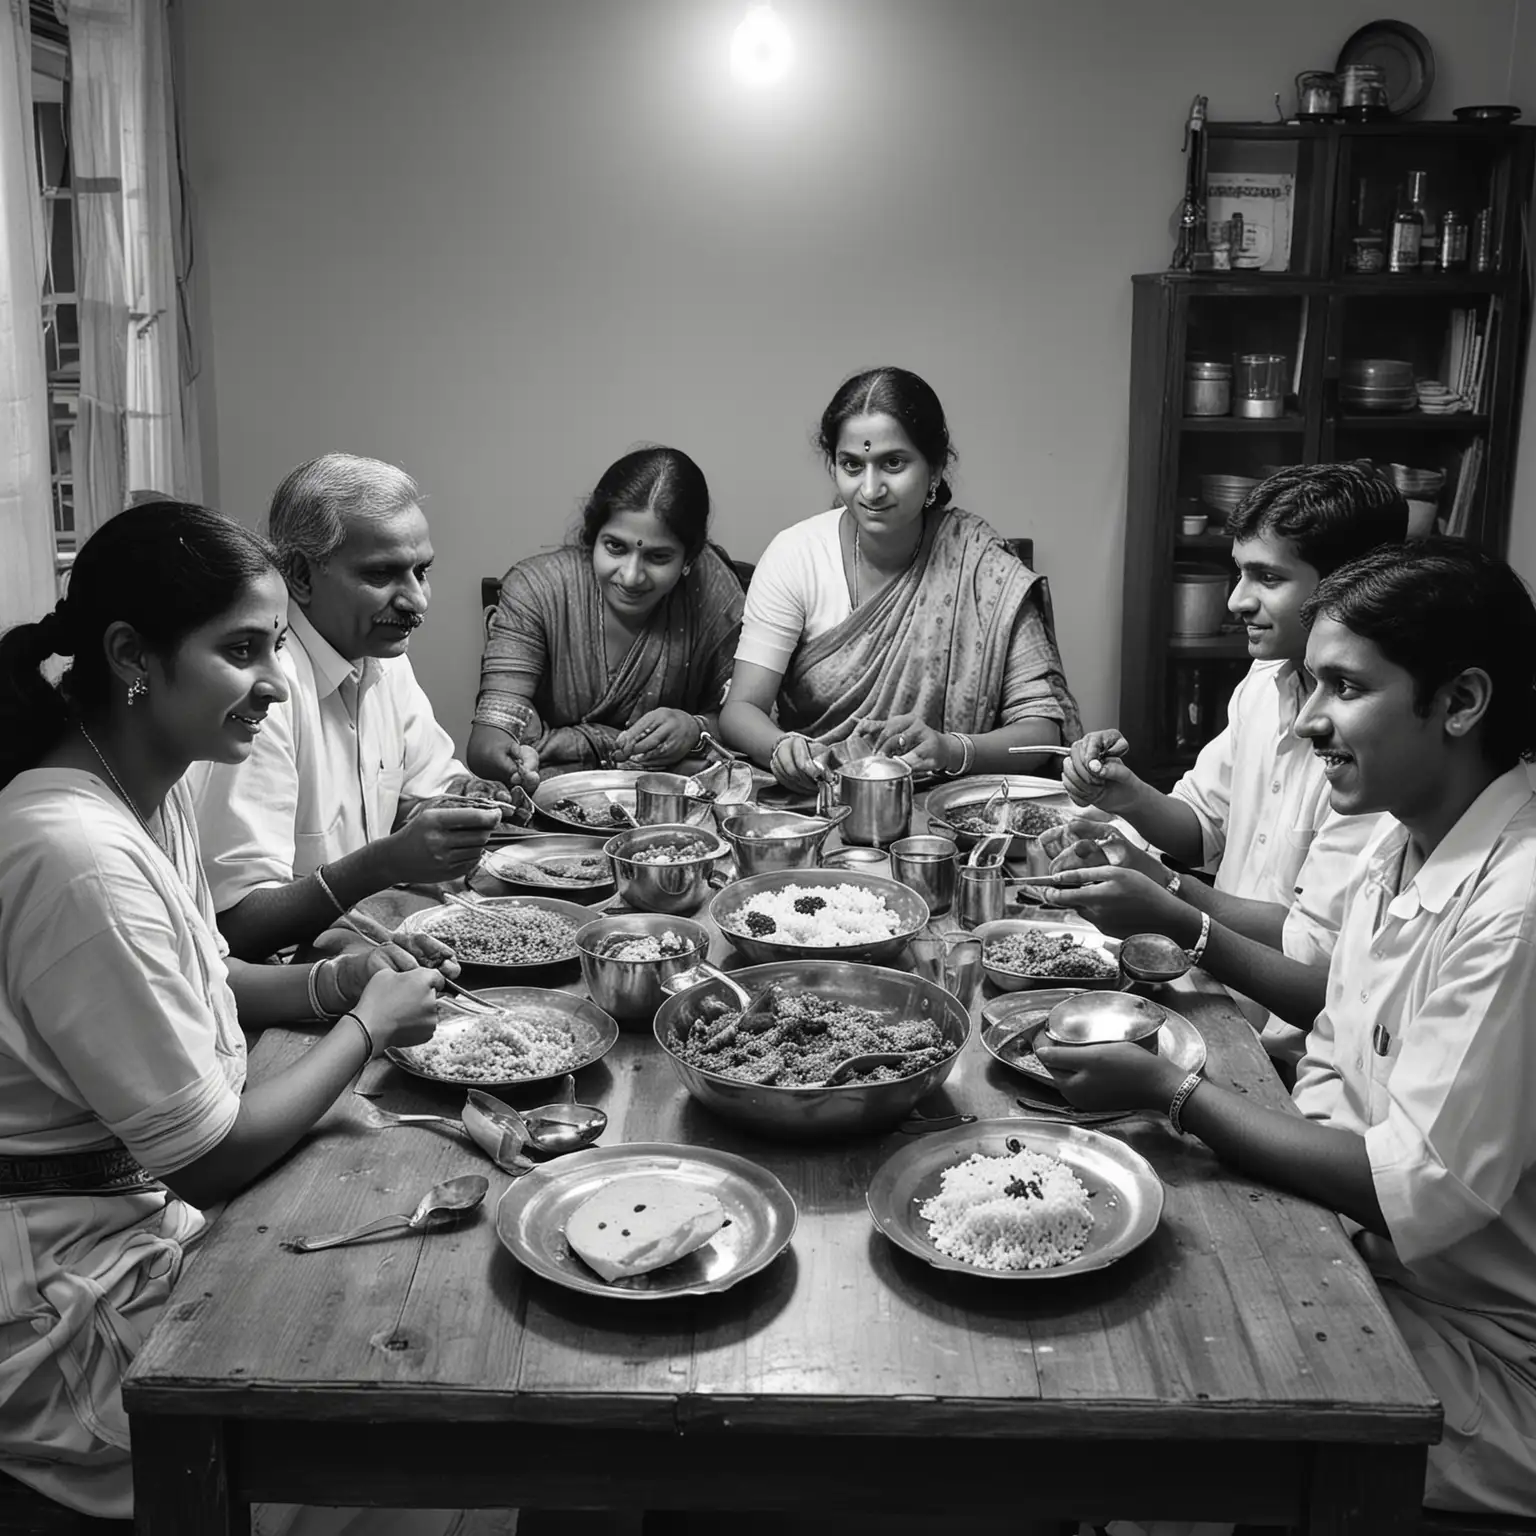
449	1198
1152	959
564	1125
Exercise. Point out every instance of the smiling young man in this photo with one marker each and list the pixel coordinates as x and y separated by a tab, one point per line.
328	809
1255	805
1420	1072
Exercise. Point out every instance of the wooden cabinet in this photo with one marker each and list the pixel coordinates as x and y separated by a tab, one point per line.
1463	328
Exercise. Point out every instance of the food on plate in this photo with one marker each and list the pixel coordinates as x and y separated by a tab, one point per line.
565	869
808	1036
513	936
645	946
677	852
638	1224
1022	1210
1025	819
1049	954
591	811
822	915
499	1048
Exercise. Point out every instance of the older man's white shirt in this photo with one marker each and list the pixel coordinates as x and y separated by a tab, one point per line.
328	773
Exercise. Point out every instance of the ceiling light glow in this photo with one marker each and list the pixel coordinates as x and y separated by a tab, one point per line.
761	49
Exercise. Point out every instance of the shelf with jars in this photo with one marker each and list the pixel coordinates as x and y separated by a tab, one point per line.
1237	373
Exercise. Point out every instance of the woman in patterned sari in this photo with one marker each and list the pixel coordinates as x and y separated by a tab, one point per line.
895	615
616	649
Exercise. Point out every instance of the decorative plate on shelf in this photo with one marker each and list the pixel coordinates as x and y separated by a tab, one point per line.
1404	56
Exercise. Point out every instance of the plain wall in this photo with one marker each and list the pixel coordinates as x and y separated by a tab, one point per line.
502	241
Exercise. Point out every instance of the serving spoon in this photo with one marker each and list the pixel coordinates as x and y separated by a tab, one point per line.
862	1063
563	1125
1152	959
449	1198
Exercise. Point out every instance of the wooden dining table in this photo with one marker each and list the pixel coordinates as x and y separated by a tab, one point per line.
1239	1365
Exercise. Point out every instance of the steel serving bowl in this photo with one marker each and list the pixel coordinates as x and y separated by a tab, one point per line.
910	909
764	841
1017	981
515	865
811	1112
589	790
971	794
631	990
680	886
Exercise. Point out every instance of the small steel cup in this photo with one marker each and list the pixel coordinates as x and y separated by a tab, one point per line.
663	798
928	866
980	895
952	963
879	790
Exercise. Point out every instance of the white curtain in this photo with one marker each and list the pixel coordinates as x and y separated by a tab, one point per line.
27	588
133	429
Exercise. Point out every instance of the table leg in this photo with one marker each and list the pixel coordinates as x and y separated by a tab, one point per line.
1365	1490
181	1479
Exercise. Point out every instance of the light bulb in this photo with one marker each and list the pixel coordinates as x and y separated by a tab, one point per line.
761	48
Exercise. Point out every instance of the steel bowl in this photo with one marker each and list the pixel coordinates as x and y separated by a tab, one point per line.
971	794
1018	981
514	866
764	841
670	888
804	1114
910	909
590	789
631	990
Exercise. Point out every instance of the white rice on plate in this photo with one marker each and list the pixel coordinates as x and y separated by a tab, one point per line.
842	914
1024	1210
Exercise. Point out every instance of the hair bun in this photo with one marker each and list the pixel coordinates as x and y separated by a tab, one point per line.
55	632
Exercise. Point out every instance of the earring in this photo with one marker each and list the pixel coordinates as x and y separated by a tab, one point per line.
933	492
687	568
137	689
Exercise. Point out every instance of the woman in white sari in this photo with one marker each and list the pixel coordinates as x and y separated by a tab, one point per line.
123	1114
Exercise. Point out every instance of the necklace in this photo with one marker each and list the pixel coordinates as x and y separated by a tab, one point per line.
117	784
858	567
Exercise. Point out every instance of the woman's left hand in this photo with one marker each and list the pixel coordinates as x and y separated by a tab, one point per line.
657	738
1117	1076
915	742
350	972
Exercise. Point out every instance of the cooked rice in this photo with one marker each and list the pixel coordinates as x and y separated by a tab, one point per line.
645	946
849	914
514	936
1057	955
523	1042
1024	1210
809	1036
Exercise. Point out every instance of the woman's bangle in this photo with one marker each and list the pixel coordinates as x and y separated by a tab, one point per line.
1181	1098
367	1033
330	894
317	1009
703	732
1197	949
787	736
967	755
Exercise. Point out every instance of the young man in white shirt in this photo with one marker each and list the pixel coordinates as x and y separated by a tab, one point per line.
329	806
1420	1073
1255	805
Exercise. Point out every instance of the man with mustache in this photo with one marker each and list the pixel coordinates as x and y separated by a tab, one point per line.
334	803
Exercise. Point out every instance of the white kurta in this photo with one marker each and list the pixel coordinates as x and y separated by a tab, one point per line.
328	772
116	1020
1268	827
1427	1048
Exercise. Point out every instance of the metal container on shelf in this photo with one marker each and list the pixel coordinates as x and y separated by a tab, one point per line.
1199	601
1207	388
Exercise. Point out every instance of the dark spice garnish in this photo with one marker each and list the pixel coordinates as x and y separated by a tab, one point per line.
759	923
809	905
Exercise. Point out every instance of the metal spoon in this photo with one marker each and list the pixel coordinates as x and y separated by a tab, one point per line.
564	1125
862	1063
990	850
452	1197
621	808
1152	959
1040	751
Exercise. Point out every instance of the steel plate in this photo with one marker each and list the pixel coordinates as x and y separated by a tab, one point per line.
1125	1194
532	1215
590	788
1015	981
430	919
592	1031
514	865
1009	1026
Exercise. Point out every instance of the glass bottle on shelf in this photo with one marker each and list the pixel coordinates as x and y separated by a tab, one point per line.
1453	241
1408	227
1188	726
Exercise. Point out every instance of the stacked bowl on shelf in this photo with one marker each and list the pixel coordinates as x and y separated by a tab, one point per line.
1378	384
1225	492
1421	490
1437	399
